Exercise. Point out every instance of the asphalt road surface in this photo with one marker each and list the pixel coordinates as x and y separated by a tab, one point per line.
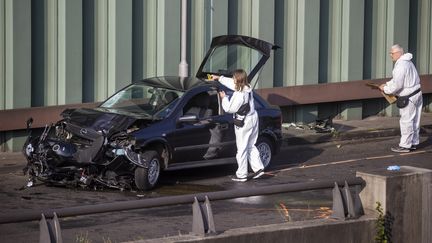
327	161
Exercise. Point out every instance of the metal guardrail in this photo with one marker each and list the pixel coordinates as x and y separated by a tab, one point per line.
15	119
330	92
31	215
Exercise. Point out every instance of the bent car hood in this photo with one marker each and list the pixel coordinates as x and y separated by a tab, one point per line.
230	52
98	120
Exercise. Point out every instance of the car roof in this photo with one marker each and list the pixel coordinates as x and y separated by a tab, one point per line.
175	82
185	84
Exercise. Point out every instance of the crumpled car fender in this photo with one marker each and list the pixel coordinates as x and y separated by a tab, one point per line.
161	145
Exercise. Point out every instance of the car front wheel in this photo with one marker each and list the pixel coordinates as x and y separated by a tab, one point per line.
265	148
147	178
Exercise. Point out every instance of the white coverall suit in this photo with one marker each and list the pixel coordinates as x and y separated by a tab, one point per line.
247	135
405	81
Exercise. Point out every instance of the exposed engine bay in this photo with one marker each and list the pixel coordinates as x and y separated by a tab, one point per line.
72	155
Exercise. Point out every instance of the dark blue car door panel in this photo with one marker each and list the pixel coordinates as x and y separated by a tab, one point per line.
189	142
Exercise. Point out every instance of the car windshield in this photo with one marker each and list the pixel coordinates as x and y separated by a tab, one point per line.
225	59
143	99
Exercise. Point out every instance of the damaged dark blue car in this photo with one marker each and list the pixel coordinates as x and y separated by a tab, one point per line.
153	125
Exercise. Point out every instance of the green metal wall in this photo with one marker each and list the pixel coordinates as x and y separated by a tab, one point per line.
55	52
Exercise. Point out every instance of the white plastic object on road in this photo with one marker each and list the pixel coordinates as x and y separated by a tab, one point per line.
393	167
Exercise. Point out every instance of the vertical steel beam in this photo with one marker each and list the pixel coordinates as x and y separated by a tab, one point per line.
162	51
70	52
209	18
397	32
51	47
101	50
428	22
17	58
88	64
150	47
352	40
137	39
330	50
113	15
201	19
201	15
254	19
161	37
289	48
62	46
307	41
424	58
351	59
307	46
379	44
183	66
334	60
218	20
397	28
113	42
167	37
2	55
424	53
2	68
262	16
17	50
119	44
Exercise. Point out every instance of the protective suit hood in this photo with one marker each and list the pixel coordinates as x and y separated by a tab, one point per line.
406	57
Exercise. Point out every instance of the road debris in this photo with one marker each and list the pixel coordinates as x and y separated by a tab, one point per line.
320	126
393	167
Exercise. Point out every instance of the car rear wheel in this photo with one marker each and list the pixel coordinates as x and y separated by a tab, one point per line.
265	148
147	178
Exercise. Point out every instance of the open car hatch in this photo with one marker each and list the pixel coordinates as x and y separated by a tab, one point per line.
230	52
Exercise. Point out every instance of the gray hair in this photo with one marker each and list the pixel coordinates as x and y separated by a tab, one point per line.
397	47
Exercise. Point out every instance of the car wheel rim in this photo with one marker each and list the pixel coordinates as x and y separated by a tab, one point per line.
153	171
265	153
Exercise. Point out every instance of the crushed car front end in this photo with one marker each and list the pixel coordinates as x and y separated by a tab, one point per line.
68	154
97	147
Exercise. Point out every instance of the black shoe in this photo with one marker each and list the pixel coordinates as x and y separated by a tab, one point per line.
258	174
235	178
413	147
400	149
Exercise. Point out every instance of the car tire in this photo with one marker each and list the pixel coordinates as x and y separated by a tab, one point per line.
265	148
147	178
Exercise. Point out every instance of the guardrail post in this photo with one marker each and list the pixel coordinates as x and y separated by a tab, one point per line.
338	204
344	205
50	231
202	222
353	204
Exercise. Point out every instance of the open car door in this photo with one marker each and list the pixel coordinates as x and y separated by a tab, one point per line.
230	52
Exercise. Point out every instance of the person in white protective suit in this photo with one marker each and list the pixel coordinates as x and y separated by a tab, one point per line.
246	136
405	84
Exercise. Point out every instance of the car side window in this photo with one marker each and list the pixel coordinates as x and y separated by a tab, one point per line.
215	104
201	105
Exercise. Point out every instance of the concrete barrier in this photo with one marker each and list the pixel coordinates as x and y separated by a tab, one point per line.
314	231
406	194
